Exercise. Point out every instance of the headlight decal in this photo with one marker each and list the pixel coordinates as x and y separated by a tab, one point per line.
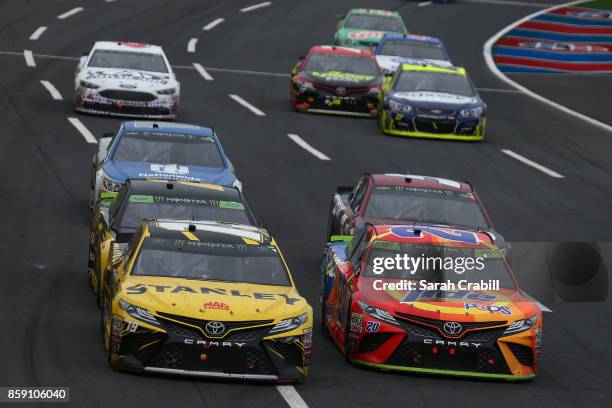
138	313
378	313
289	324
399	107
471	112
521	325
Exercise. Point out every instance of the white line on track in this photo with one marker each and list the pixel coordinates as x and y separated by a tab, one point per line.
425	3
531	163
52	90
38	32
110	1
87	135
70	13
202	71
191	45
256	6
304	145
213	24
510	3
247	105
488	55
29	58
291	396
514	91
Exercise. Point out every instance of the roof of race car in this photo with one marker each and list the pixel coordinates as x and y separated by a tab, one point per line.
421	234
209	231
377	12
412	37
128	46
183	189
434	68
414	180
338	50
181	128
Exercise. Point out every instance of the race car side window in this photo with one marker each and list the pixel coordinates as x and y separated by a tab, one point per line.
359	244
358	194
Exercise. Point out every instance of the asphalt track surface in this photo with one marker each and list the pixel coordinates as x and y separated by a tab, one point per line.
50	324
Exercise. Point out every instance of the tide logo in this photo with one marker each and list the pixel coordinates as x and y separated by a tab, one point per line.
449	235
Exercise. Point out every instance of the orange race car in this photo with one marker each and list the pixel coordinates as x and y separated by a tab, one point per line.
428	299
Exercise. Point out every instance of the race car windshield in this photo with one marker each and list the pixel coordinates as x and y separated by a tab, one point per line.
169	148
216	261
413	49
342	63
138	61
378	23
428	205
411	81
438	263
151	207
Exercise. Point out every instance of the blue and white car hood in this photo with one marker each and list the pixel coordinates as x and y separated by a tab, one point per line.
120	171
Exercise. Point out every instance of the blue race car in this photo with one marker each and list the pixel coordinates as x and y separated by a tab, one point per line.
158	150
396	49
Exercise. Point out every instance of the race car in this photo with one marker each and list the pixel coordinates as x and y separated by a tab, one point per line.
336	80
396	49
126	79
409	198
118	215
365	27
205	299
170	151
454	308
432	102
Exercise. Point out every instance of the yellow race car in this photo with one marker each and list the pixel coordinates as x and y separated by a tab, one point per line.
431	101
208	299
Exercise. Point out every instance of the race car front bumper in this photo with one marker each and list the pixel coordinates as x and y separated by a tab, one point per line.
183	350
126	103
416	347
320	101
398	124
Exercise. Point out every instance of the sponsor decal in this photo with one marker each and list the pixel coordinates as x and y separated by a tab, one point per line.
342	76
216	306
452	328
169	168
434	97
209	344
416	295
365	35
489	308
167	176
234	205
126	75
450	343
356	322
214	328
141	288
144	199
591	14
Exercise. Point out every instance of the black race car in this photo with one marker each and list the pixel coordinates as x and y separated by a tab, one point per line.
337	80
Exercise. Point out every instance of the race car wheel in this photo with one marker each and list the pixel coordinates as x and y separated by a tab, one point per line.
107	327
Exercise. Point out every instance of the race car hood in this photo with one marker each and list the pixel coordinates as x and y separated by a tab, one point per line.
457	305
121	170
339	78
213	300
128	79
436	98
389	63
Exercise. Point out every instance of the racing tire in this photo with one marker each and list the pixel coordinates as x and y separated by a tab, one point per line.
107	331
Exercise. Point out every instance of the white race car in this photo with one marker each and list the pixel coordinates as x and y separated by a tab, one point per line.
126	79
